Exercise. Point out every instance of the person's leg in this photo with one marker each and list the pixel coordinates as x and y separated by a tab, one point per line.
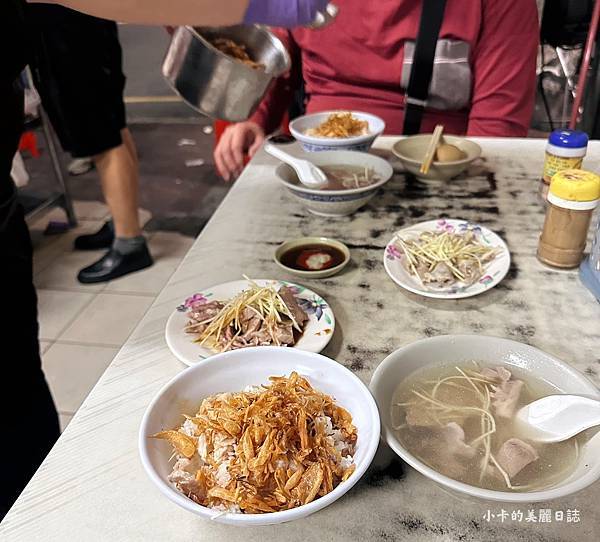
87	105
104	237
22	367
130	143
30	424
118	172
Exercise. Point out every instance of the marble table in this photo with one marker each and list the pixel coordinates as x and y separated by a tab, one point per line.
92	486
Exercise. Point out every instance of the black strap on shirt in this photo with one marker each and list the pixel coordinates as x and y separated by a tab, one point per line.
422	66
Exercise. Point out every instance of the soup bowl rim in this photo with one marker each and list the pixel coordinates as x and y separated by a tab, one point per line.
551	493
386	169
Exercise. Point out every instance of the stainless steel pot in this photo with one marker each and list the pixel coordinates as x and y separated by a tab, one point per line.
215	84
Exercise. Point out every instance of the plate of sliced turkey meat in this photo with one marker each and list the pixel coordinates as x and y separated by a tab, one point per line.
446	259
248	313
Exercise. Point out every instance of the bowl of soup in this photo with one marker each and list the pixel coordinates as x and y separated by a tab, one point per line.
353	179
448	407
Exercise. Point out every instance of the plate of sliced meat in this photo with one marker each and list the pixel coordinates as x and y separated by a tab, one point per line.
446	259
247	313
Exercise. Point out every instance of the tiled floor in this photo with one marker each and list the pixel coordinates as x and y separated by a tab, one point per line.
79	333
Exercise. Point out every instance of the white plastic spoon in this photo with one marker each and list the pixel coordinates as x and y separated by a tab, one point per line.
308	174
557	417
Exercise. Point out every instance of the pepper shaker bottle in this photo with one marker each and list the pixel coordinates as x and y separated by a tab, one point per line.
565	150
572	198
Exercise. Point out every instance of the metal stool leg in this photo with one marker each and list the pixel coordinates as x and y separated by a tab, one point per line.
66	201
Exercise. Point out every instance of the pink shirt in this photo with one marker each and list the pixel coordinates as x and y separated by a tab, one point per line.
356	63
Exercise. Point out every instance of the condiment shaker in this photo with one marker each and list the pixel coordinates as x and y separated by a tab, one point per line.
572	198
565	150
589	272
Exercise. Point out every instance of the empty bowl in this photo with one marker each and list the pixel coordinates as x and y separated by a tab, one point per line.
362	143
411	152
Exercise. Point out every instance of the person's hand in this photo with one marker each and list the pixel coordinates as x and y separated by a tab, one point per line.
285	13
236	140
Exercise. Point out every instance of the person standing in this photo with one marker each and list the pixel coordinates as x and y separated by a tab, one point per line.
30	417
483	73
77	69
29	413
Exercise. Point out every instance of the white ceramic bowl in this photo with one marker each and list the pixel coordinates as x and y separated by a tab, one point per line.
411	151
233	371
363	143
490	351
336	202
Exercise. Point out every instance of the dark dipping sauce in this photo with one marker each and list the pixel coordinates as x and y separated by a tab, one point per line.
313	257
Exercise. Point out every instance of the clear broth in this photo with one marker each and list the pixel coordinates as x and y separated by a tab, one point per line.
342	177
556	461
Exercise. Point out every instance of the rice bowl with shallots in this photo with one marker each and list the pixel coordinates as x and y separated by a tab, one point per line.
311	432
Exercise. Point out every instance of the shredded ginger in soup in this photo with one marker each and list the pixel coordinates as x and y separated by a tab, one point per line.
459	420
340	177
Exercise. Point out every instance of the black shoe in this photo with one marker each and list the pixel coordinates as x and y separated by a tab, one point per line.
114	264
103	238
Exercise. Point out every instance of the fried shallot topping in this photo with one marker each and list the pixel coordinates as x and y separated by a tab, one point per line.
272	448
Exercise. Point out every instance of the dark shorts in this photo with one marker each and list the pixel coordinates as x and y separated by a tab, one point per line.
77	67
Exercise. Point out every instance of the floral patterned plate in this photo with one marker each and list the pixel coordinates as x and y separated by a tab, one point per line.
393	261
317	332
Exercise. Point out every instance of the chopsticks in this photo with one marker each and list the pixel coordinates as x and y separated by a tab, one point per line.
430	154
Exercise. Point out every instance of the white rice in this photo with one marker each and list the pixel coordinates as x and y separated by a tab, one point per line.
222	476
203	448
189	428
334	436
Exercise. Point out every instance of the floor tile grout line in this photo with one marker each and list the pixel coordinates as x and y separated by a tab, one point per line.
79	312
59	251
74	290
68	342
102	290
129	293
50	341
50	262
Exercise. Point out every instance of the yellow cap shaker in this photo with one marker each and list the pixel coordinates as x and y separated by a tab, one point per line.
572	198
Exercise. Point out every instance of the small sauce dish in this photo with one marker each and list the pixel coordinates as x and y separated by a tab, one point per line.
312	257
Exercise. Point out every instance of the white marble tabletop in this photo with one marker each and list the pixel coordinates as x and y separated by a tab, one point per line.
92	486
